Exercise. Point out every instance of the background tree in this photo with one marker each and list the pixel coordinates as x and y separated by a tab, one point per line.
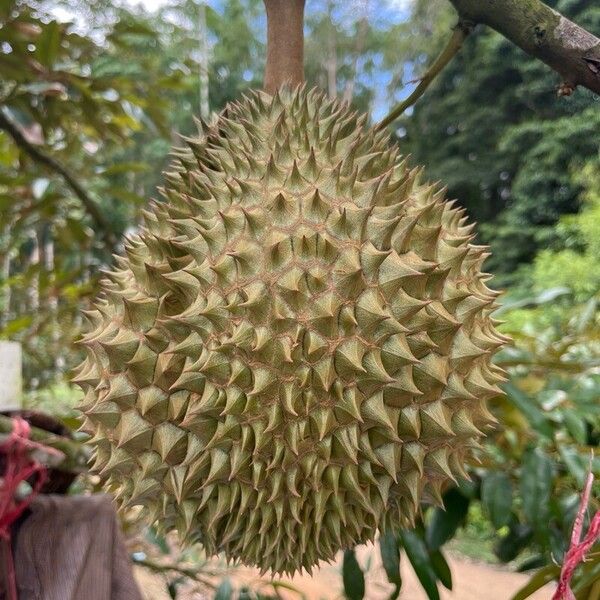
493	130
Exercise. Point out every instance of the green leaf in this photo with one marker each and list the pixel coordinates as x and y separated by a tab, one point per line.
589	573
551	295
441	568
539	580
157	539
73	423
509	546
6	7
496	497
536	487
48	44
224	591
587	315
528	407
417	554
469	489
284	585
535	562
125	167
557	541
543	298
125	195
353	577
574	462
172	589
390	557
444	523
16	326
576	426
40	88
244	594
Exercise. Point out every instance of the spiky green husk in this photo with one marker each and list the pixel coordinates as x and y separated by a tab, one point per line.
295	352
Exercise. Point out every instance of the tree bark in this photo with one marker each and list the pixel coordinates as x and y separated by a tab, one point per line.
5	260
33	263
544	33
285	44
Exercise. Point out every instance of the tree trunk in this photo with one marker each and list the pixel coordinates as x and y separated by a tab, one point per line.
33	263
4	276
52	299
285	44
543	33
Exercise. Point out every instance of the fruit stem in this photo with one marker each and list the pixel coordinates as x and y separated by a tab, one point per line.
285	44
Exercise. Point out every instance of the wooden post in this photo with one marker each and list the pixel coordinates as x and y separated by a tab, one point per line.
10	375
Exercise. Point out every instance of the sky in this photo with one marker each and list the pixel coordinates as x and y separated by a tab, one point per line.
401	6
378	10
388	10
154	4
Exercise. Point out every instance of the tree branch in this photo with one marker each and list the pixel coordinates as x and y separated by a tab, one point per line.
544	33
40	157
159	567
285	44
459	35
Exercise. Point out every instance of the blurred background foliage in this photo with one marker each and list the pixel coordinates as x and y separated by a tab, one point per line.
92	96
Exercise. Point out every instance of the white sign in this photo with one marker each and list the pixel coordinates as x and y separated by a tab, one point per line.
10	375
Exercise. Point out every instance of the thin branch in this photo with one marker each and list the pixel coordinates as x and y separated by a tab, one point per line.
459	35
544	33
40	157
159	567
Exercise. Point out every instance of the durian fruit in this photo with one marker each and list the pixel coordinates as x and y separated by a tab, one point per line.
295	351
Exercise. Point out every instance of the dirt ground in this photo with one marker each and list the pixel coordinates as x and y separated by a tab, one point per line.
472	581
